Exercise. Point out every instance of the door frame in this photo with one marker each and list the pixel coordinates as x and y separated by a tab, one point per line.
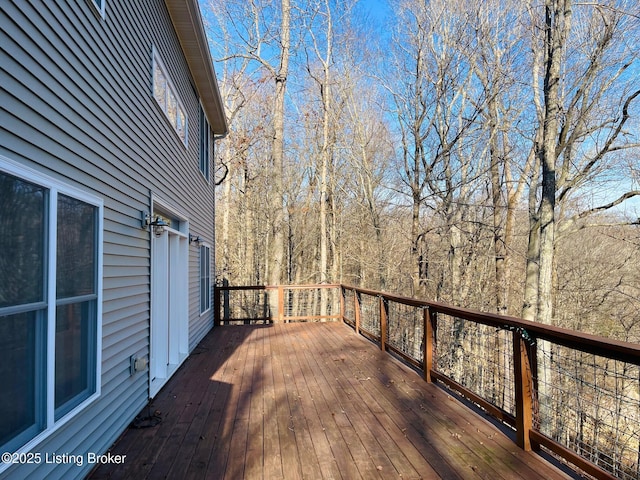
169	294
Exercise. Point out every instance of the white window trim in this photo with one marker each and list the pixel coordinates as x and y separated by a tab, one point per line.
56	187
156	60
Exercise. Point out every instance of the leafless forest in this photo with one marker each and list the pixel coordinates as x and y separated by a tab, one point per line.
484	154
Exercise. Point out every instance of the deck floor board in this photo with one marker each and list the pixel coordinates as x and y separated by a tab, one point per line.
312	401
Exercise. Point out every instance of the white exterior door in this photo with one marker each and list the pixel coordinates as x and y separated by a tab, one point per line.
169	342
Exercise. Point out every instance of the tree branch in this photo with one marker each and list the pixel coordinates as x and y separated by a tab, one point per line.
569	226
224	176
606	148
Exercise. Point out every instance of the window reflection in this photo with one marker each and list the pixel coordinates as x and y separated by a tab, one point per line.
22	244
75	346
168	100
75	248
20	369
159	86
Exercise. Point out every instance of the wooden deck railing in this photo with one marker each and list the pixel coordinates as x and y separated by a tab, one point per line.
282	303
576	395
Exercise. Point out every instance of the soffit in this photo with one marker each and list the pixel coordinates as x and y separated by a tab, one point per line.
185	15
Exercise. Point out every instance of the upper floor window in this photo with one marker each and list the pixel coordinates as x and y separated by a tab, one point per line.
50	299
205	144
99	4
166	96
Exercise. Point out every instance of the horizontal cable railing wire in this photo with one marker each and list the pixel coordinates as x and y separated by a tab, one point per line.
303	304
245	305
405	330
478	357
267	304
590	404
370	315
349	299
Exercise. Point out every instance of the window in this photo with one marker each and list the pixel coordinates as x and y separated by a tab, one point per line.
205	144
99	4
76	297
205	279
49	303
166	96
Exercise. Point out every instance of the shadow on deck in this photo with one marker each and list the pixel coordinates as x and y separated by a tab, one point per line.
312	400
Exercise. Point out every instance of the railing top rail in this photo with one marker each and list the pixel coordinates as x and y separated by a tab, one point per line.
594	344
275	287
414	302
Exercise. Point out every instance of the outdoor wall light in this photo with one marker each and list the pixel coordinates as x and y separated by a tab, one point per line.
195	239
157	223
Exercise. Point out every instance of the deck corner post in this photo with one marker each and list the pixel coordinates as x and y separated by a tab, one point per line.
428	342
523	378
217	318
216	306
383	325
280	304
356	309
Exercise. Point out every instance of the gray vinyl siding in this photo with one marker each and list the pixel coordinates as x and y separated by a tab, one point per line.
76	104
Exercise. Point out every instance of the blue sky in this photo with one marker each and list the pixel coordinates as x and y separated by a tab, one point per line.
378	9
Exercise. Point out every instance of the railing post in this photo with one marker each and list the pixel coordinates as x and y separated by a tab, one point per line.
356	310
383	325
280	304
429	342
523	378
217	293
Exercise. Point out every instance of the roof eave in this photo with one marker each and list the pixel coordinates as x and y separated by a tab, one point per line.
187	21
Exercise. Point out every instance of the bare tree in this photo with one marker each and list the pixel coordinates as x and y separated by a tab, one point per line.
437	104
411	110
583	106
369	153
497	59
262	35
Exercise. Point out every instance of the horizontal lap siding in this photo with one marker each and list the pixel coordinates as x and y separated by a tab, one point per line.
76	104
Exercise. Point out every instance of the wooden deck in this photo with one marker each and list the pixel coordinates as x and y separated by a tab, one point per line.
312	400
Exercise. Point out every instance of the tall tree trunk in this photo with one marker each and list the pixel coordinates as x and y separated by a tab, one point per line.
324	207
251	275
374	217
499	212
530	302
325	153
418	254
530	297
418	257
325	211
456	290
557	22
277	151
